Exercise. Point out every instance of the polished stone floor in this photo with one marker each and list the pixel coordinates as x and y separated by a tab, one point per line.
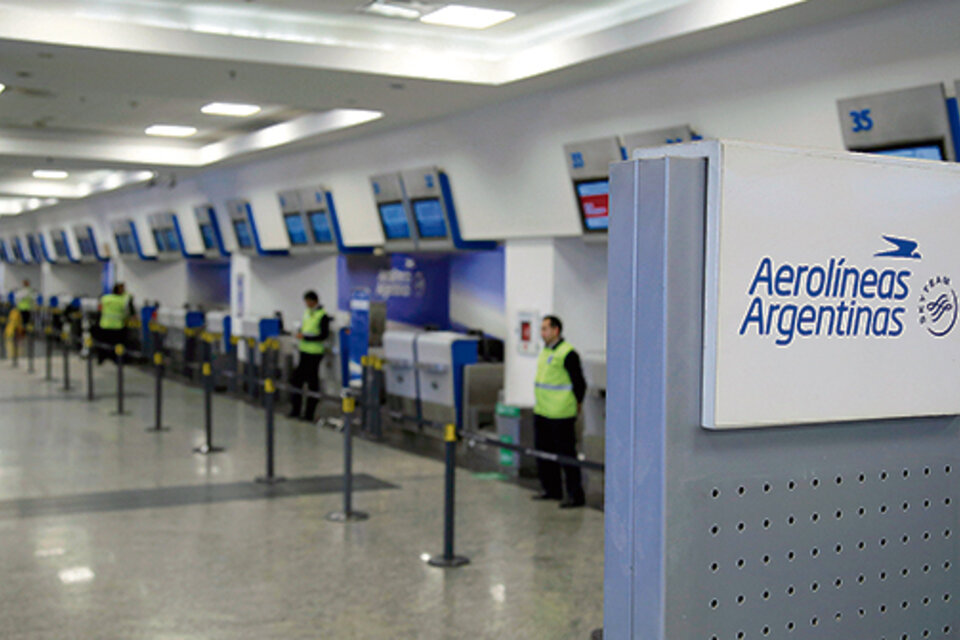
255	566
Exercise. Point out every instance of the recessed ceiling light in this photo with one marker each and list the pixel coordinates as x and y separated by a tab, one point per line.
50	174
389	10
464	17
2	87
233	109
170	131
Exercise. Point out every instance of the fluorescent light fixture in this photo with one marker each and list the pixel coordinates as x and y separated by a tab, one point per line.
76	575
391	11
50	174
2	87
464	17
232	109
170	131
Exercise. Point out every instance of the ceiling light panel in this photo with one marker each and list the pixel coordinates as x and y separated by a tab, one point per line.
170	131
464	17
231	109
390	10
50	174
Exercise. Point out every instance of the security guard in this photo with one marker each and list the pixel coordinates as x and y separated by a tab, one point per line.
313	331
26	298
559	391
115	308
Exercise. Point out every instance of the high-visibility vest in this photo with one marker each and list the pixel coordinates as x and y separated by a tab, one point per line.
26	299
553	387
312	319
113	311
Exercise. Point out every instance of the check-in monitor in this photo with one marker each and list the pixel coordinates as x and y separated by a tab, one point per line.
3	251
295	230
428	212
932	151
85	242
320	227
125	243
60	244
593	196
34	247
394	220
172	241
158	237
208	235
242	229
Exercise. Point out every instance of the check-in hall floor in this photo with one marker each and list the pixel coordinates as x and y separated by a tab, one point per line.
109	532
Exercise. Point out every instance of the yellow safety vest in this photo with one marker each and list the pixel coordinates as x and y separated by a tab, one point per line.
553	387
312	320
113	311
26	299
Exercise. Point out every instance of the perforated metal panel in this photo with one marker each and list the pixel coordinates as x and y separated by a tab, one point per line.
833	531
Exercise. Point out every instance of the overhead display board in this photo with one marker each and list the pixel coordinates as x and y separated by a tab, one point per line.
396	219
588	163
912	123
834	303
128	240
210	233
61	245
244	226
167	236
87	244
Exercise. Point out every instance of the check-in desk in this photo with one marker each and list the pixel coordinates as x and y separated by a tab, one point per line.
180	339
400	371
594	421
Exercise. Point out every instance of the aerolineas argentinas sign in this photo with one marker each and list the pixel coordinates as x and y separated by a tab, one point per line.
830	292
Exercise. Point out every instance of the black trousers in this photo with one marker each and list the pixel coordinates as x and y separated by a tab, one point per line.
25	317
560	437
306	373
111	337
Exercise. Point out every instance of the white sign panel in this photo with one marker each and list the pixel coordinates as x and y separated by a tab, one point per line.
831	289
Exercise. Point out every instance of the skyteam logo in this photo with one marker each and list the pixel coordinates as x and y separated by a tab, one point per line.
938	306
837	299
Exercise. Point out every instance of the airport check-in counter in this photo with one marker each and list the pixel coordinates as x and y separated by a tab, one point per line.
181	329
219	328
400	371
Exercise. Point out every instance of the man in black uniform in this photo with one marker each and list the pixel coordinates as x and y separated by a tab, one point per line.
559	390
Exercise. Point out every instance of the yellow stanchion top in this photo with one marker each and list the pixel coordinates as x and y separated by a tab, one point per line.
65	336
268	386
251	342
450	433
49	331
207	369
30	328
365	360
348	403
118	349
378	363
88	342
264	346
158	358
189	332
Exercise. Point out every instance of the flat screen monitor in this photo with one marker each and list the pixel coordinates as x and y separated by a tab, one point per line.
86	245
3	251
428	213
394	220
171	239
208	235
242	229
125	243
593	196
17	253
34	248
320	226
160	240
60	244
919	152
298	235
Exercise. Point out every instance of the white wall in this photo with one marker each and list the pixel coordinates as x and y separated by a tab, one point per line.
278	284
71	280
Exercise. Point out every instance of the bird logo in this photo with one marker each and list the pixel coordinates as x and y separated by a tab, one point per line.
903	248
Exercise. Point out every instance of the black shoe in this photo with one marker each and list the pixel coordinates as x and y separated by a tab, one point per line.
572	504
544	496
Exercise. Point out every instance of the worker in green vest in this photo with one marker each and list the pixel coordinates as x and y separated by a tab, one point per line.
26	298
314	330
559	390
115	309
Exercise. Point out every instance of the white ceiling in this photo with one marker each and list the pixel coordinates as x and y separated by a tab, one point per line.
85	77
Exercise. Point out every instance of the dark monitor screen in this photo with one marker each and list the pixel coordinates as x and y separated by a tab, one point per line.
3	251
159	239
208	235
593	196
298	235
60	244
86	245
394	220
17	253
34	248
320	226
244	239
172	241
919	152
428	213
125	243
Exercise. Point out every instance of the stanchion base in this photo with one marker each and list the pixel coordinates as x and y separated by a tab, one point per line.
270	480
119	413
343	516
156	429
596	634
206	449
448	563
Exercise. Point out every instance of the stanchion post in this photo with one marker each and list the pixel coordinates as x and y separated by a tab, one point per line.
30	337
250	374
376	429
364	386
158	391
119	350
48	353
88	343
270	391
449	559
15	346
234	364
207	447
3	337
65	341
348	404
